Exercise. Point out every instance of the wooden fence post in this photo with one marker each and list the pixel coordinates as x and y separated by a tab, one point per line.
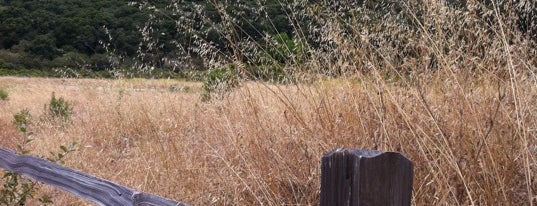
365	177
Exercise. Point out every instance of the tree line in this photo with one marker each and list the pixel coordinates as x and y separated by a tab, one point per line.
101	35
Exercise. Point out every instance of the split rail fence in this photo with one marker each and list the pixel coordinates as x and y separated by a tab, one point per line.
349	178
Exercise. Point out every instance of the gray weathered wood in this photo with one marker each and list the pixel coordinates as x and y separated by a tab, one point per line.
100	191
145	199
365	177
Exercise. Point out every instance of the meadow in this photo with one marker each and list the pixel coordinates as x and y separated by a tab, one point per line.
472	142
450	84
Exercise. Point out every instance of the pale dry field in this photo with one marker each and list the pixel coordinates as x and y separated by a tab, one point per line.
472	140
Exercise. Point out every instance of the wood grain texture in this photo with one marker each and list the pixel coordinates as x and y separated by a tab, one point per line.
100	191
365	177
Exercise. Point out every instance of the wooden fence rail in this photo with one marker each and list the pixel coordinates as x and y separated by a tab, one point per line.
100	191
348	178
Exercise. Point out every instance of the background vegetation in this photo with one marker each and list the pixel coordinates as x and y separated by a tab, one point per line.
451	84
44	35
121	38
82	38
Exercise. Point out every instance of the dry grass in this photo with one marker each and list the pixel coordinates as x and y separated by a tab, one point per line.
263	143
454	89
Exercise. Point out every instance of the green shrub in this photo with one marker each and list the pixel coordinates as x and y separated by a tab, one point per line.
3	94
58	108
219	82
22	119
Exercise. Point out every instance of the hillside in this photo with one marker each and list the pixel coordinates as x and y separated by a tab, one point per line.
79	34
46	34
262	39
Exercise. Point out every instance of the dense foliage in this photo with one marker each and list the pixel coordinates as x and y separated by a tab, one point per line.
75	34
92	38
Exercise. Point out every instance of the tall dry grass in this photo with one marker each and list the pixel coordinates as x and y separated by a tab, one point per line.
262	144
456	93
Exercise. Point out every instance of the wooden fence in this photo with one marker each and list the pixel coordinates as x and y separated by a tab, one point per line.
349	178
100	191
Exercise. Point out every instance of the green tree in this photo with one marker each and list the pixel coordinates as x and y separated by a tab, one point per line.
44	46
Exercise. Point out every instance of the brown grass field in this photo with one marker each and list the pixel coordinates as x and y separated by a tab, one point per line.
472	141
452	88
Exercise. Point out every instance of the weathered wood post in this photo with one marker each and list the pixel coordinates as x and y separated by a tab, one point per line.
365	177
